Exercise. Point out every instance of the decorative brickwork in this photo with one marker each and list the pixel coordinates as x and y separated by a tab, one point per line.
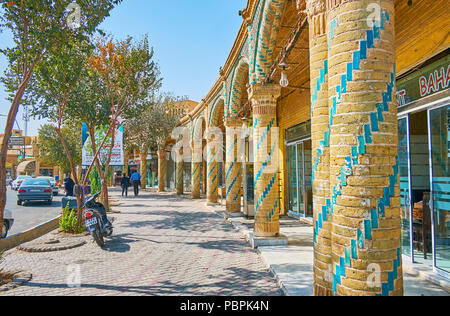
162	170
265	147
197	155
364	171
179	174
320	142
212	158
233	176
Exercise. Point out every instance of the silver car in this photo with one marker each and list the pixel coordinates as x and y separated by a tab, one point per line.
18	181
52	181
35	190
8	221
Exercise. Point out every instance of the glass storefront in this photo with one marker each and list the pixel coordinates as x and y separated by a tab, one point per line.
440	177
299	162
424	159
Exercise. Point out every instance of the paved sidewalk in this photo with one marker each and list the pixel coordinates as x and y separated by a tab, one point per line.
292	265
162	245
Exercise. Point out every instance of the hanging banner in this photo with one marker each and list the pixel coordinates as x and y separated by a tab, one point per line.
100	133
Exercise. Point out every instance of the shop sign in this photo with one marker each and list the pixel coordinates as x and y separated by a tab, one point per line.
427	81
17	141
298	132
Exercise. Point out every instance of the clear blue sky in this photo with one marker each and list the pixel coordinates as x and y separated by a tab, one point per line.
191	38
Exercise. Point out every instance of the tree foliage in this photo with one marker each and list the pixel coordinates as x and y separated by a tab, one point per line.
52	152
152	128
37	26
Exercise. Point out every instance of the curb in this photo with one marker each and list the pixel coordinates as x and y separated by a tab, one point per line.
29	235
274	274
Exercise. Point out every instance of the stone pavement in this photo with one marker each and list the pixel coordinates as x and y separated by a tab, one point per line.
162	245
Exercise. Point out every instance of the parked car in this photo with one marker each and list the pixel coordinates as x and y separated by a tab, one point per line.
18	181
35	190
8	180
7	223
55	188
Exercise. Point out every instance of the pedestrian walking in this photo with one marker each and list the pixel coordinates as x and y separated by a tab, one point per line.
125	183
69	185
136	180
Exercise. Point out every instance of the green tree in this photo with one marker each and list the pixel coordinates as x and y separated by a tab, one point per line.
130	78
51	150
63	89
148	131
36	27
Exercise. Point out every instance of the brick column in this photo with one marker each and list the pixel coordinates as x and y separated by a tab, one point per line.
179	175
233	166
162	170
320	131
143	170
265	146
364	172
212	158
196	168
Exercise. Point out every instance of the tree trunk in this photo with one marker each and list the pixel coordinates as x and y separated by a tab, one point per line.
7	135
74	175
91	130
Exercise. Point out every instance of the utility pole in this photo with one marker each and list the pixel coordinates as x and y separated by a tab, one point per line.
26	119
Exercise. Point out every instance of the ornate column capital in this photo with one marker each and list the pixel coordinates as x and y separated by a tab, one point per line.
313	7
263	98
264	92
233	122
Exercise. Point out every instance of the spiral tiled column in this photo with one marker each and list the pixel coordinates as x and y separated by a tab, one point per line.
212	190
265	146
162	170
320	131
196	169
233	176
364	171
180	173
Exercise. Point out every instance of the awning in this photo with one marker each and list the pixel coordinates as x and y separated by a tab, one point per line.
26	166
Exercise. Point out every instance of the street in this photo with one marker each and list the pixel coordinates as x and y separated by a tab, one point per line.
32	213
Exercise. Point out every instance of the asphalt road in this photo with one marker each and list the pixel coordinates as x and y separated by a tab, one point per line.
32	213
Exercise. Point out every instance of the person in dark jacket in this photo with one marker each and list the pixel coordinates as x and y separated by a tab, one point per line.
69	185
125	183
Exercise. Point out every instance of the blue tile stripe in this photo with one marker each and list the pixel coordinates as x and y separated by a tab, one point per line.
373	223
266	192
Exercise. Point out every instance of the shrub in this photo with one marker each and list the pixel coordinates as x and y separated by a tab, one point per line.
68	222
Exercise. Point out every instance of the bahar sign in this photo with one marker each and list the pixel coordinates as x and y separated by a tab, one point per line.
100	134
427	81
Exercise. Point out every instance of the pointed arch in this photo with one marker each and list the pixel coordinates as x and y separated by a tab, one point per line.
217	112
265	31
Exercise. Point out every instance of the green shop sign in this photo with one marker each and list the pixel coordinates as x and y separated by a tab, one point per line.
427	81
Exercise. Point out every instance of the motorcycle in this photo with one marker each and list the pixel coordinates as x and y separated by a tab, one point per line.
96	220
